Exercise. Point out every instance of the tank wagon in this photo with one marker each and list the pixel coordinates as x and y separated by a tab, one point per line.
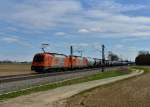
55	62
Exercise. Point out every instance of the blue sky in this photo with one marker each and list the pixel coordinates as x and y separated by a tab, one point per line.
122	25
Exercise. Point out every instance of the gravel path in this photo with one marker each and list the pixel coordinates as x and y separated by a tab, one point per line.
54	98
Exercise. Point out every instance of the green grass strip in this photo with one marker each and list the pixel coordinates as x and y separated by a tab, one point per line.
59	84
145	68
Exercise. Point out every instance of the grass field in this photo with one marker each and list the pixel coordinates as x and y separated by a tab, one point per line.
13	69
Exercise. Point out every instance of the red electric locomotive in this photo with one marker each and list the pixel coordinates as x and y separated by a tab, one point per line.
53	61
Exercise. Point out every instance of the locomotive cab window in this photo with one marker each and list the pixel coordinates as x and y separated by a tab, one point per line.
38	58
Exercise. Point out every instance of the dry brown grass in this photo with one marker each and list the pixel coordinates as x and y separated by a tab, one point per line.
13	69
133	92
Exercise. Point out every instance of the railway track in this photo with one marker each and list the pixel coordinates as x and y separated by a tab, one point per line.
11	78
13	83
4	79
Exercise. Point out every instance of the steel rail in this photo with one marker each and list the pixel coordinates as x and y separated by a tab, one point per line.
20	77
32	76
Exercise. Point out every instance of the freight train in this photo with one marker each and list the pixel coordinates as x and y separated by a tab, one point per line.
43	62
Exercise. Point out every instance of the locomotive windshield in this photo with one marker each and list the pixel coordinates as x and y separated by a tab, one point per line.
38	58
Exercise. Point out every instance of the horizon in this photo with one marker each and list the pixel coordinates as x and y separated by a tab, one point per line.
121	25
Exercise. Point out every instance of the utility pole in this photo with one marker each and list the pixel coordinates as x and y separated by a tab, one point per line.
71	55
103	58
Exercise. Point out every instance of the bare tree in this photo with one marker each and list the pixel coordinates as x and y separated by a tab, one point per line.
143	52
113	57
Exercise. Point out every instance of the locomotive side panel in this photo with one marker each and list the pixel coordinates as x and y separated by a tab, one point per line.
74	62
78	63
58	61
85	62
66	62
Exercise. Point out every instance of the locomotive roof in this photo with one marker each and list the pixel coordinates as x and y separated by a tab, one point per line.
52	54
57	54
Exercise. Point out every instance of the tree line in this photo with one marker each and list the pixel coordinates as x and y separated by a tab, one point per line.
143	58
14	62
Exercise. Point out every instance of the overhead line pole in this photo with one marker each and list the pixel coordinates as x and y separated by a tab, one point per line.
103	58
71	55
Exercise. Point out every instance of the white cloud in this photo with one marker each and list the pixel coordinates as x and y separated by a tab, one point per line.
139	34
15	40
102	17
40	14
83	30
60	33
112	6
89	30
10	40
119	46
